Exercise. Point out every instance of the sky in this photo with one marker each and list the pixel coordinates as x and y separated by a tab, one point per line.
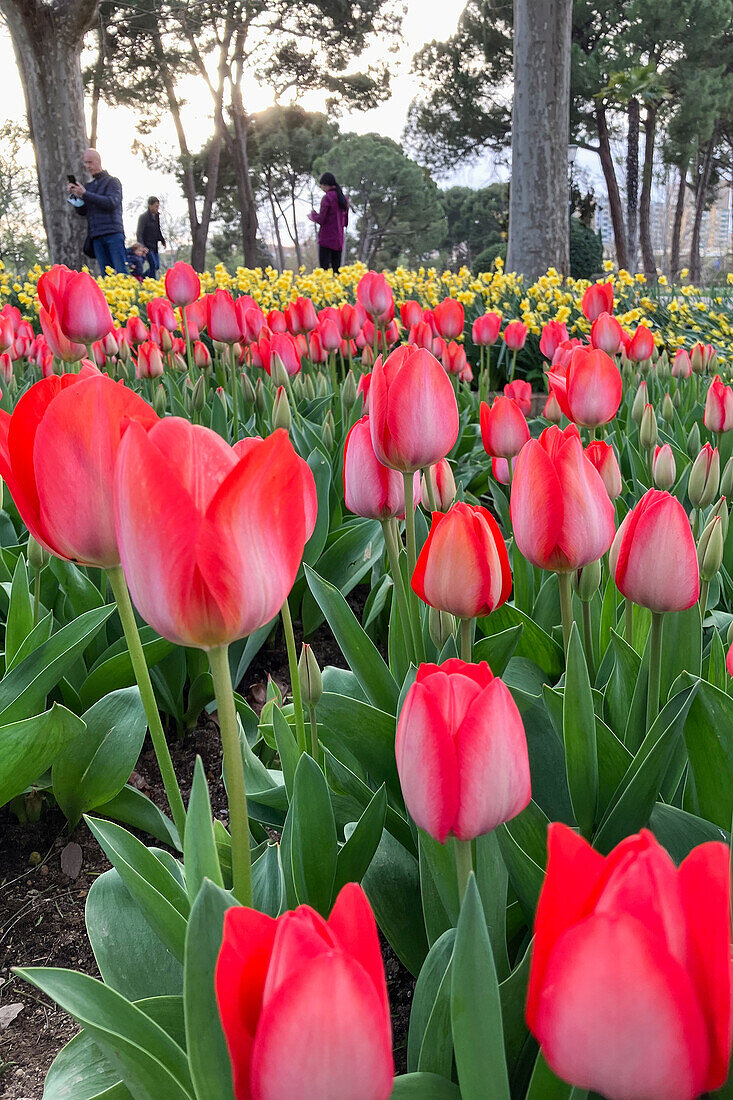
424	21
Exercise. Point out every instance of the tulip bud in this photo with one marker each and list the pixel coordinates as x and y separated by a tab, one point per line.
278	374
721	509
637	409
677	398
664	468
37	555
198	397
693	441
281	415
164	339
586	581
729	638
697	359
702	488
260	396
348	393
160	400
188	400
667	409
710	549
248	391
309	674
441	625
321	385
443	483
648	428
296	385
712	362
328	429
726	481
222	397
310	389
179	362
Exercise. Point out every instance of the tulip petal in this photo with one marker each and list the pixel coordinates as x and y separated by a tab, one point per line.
202	457
352	923
617	1014
705	883
588	514
536	505
426	760
654	557
323	1033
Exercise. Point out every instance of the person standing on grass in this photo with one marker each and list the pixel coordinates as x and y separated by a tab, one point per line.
332	218
101	205
149	235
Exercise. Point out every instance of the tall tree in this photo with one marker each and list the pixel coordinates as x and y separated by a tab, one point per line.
538	204
47	38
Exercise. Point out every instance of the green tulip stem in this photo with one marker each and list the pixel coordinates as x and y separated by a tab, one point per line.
413	604
629	622
189	348
233	775
566	607
695	522
235	397
391	541
514	363
467	640
430	489
592	435
315	749
655	668
294	677
704	598
36	595
332	372
588	640
464	864
142	675
488	372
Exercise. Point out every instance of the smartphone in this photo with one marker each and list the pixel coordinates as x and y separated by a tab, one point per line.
71	179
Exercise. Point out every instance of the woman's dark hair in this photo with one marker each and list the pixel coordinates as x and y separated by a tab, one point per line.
329	180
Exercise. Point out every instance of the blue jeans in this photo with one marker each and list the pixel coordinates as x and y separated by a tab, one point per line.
109	251
153	260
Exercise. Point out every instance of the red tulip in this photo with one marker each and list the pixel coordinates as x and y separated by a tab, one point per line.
57	455
443	484
276	321
449	318
653	559
729	661
664	469
564	352
301	316
554	333
463	567
330	335
211	536
286	349
521	392
371	489
50	290
149	361
485	330
630	983
606	334
410	313
362	387
597	299
504	429
222	323
160	312
461	751
561	515
251	321
515	335
641	346
83	313
182	284
453	358
303	1003
316	351
136	331
589	391
500	469
414	415
718	415
681	365
375	295
60	345
603	457
421	336
552	410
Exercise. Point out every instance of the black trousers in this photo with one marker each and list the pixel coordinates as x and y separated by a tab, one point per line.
329	257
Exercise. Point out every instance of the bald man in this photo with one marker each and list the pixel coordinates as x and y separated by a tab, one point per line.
102	207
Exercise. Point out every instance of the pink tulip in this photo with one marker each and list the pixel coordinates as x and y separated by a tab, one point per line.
371	489
515	335
182	284
597	299
454	360
504	429
485	330
521	392
552	410
149	361
222	323
136	330
653	559
606	334
201	356
664	470
375	295
561	514
443	484
421	336
718	416
589	391
681	365
603	458
363	387
160	312
554	333
410	313
461	751
641	346
276	321
414	415
303	318
60	345
500	469
351	322
83	313
330	335
449	318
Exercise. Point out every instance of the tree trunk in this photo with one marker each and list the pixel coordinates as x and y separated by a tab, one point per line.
645	228
276	227
614	196
47	41
674	259
97	82
700	197
238	152
538	210
632	183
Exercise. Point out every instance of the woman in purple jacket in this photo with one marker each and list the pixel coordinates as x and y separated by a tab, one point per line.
333	217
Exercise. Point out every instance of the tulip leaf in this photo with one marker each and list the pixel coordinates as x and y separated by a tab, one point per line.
681	647
150	1062
321	470
710	751
534	643
424	1086
498	649
268	881
619	691
492	880
579	737
357	853
441	865
132	807
160	896
287	748
314	849
19	622
352	553
513	994
345	784
478	1035
114	669
131	957
392	885
716	672
544	1085
200	856
362	656
29	748
208	1057
431	1004
679	831
354	730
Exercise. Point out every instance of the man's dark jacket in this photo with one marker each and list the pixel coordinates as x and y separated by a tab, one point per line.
103	205
148	230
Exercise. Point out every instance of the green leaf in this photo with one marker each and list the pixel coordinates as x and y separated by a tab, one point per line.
345	784
357	853
268	881
130	956
29	748
151	1064
115	671
492	880
710	751
351	554
96	766
430	1039
679	832
534	643
200	856
498	649
81	1072
424	1086
83	594
681	647
19	623
38	635
24	689
321	470
716	671
132	807
478	1037
579	736
287	748
208	1057
353	730
438	860
392	885
513	994
619	691
362	656
161	898
314	842
546	1086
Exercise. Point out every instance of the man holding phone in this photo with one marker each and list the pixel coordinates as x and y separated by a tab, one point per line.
101	205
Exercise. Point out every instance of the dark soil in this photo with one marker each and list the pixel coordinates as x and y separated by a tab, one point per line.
42	906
